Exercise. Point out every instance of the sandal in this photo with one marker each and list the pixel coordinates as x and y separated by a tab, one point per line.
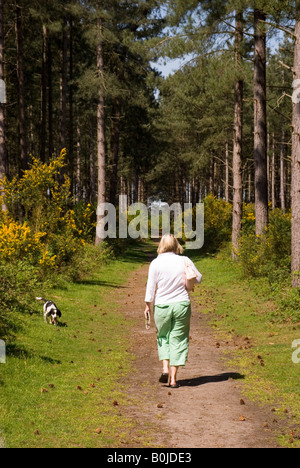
164	378
175	386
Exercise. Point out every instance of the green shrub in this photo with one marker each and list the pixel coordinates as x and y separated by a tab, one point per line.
19	285
270	254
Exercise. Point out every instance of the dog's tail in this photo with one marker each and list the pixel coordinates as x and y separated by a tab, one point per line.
41	299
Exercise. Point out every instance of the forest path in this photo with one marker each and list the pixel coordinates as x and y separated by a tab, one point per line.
208	410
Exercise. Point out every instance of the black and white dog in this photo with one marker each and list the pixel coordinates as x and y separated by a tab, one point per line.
51	312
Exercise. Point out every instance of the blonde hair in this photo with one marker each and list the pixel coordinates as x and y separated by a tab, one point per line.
169	243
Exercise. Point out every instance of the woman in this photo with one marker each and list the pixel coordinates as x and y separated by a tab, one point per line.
166	287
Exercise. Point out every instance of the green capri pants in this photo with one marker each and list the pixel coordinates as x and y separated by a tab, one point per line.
173	332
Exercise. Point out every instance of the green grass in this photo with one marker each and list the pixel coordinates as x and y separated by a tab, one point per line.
241	314
89	351
92	348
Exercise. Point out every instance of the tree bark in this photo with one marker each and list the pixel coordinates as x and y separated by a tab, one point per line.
50	99
100	128
249	185
115	144
282	161
282	171
296	159
44	97
211	176
2	109
273	170
238	143
21	85
260	124
226	173
64	84
71	109
78	191
92	184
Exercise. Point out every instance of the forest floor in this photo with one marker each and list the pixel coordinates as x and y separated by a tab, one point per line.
210	409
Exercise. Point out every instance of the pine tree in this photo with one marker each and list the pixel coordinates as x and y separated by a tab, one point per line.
2	104
100	124
238	142
21	86
296	157
260	123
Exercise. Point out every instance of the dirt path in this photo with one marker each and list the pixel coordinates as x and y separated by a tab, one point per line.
206	411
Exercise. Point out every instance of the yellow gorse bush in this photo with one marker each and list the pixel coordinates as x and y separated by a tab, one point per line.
38	192
17	240
217	221
46	233
217	212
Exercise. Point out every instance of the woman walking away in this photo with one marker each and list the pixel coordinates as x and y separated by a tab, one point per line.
167	288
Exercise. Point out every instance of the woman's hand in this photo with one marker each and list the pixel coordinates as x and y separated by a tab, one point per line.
147	311
148	316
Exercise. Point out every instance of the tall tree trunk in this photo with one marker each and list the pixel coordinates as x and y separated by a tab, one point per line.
78	190
71	110
269	168
44	97
2	115
249	185
50	99
226	173
115	144
211	176
296	158
282	155
273	178
260	124
21	86
238	143
92	184
64	83
282	171
100	127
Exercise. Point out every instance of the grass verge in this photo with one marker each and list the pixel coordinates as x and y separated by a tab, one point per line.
242	315
59	387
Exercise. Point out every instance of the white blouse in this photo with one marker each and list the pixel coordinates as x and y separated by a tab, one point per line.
166	280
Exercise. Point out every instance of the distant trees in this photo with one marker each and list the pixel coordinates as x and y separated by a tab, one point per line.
76	79
225	124
261	168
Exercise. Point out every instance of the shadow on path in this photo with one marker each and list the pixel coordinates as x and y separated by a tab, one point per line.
197	381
